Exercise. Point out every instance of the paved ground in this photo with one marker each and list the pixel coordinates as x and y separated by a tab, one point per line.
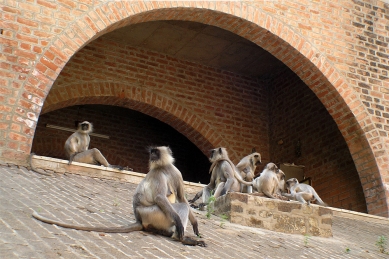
85	200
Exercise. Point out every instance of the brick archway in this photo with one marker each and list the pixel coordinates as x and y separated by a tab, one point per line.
267	32
137	98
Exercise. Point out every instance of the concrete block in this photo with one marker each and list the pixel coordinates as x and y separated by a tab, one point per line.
276	215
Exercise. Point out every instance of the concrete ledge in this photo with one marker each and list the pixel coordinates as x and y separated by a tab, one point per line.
61	166
243	209
359	216
276	215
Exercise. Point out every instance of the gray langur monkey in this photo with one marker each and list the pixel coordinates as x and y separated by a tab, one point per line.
246	167
76	148
268	182
159	203
224	177
281	184
302	192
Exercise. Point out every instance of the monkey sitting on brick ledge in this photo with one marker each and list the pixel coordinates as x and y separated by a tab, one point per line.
76	148
301	192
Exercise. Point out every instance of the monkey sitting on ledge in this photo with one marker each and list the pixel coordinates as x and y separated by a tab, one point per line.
246	167
224	178
76	148
302	192
159	203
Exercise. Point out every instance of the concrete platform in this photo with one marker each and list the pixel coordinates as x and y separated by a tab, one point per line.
276	215
97	201
54	165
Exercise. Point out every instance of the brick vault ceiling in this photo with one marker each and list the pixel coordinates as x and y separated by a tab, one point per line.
200	43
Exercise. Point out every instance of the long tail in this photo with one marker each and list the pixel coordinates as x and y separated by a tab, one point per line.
236	173
318	199
123	229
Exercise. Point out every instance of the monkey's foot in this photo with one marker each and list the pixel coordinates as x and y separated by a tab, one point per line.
192	242
194	205
202	206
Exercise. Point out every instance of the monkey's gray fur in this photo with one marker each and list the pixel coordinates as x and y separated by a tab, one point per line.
268	182
76	148
159	203
246	167
302	192
224	177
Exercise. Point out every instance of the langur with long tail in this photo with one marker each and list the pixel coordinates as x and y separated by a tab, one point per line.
159	203
76	148
302	192
247	167
268	182
224	177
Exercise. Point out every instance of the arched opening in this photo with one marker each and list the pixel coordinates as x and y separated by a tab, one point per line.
311	66
169	58
127	135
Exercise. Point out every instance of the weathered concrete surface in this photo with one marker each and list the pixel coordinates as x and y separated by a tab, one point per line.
276	215
51	165
89	200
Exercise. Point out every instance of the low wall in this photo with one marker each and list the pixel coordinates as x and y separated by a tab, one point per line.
243	209
61	166
276	215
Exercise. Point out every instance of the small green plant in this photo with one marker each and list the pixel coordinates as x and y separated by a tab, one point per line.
381	244
210	208
347	250
116	202
223	221
306	239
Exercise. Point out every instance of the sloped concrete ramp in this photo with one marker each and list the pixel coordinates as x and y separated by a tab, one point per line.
90	200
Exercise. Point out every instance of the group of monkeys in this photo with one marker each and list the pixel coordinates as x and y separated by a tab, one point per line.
226	177
159	201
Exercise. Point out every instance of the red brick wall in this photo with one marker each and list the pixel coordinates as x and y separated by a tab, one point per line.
130	134
296	114
232	105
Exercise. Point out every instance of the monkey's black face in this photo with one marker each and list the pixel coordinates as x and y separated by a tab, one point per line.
272	166
155	154
85	126
291	182
212	153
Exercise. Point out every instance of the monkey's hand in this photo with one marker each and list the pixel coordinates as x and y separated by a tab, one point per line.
72	157
196	197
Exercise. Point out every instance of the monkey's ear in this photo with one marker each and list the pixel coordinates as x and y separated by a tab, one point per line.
253	150
169	150
220	151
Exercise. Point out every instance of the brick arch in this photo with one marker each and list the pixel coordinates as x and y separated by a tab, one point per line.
166	109
264	30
